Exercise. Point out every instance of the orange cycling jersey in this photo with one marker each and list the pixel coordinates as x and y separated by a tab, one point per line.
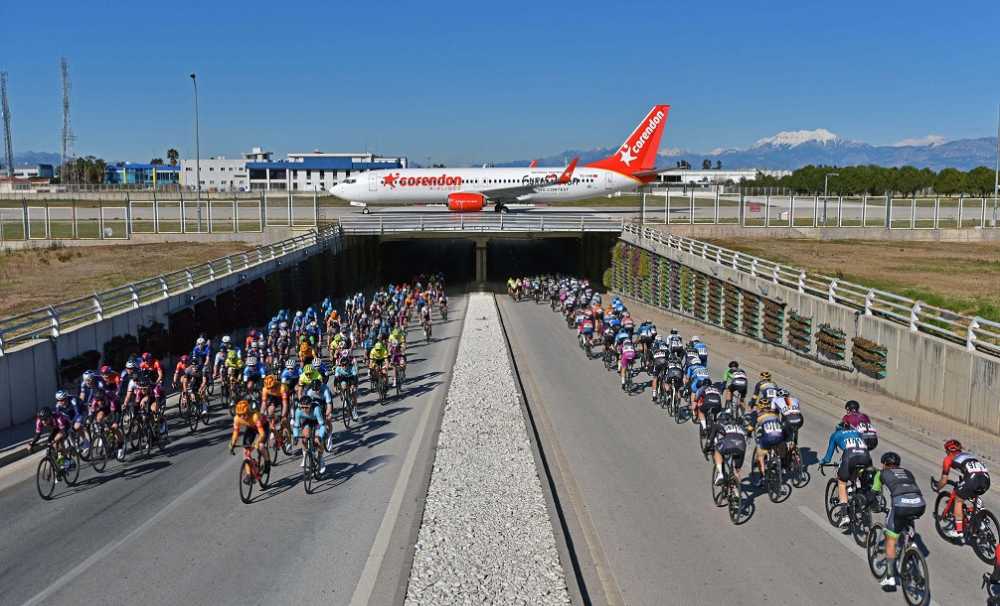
275	392
254	421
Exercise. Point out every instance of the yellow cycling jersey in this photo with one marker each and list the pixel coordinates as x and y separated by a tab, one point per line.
379	352
235	364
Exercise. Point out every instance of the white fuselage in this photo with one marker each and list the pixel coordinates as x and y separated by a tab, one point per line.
433	185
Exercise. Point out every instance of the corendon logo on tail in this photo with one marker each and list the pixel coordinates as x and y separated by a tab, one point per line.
394	180
628	154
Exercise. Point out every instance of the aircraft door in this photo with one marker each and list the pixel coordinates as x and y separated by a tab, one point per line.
372	182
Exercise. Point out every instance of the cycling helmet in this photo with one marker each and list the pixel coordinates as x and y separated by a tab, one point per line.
45	413
298	314
106	370
61	396
953	446
251	360
317	363
226	340
88	377
269	381
852	406
290	364
891	458
695	339
242	407
765	376
734	365
673	331
763	404
147	357
200	341
130	365
185	359
282	326
782	392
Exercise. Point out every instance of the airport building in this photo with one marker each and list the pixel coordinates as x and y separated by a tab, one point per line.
315	171
688	176
142	175
36	171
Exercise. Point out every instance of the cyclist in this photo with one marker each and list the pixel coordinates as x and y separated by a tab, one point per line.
676	342
397	359
661	359
974	480
694	376
306	352
195	379
791	415
736	381
707	401
289	383
378	358
768	433
255	432
253	371
860	421
345	376
906	504
308	424
90	385
765	387
854	459
308	375
626	355
270	399
234	367
202	351
727	437
73	410
701	348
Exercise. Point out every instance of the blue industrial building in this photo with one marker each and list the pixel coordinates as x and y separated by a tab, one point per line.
142	175
316	171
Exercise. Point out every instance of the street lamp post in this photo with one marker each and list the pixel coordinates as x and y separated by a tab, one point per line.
996	173
826	188
197	151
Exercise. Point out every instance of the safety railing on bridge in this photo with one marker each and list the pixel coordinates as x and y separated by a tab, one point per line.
50	321
975	332
479	223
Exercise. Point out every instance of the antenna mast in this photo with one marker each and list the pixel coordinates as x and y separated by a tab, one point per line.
67	132
8	144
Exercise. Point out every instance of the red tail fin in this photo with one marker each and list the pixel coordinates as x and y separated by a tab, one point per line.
638	153
533	164
568	173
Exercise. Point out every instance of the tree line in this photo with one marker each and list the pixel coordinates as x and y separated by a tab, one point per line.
90	170
877	180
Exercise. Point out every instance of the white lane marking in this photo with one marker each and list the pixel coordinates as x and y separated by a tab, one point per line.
110	547
840	537
366	583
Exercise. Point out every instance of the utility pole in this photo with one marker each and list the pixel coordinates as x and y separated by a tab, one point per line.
67	132
197	150
996	172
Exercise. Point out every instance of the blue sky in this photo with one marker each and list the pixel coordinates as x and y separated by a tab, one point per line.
494	81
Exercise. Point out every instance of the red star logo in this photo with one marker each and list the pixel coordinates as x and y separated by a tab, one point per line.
390	180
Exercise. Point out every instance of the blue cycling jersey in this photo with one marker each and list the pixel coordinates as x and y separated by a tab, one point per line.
254	371
304	416
697	370
621	336
843	439
290	377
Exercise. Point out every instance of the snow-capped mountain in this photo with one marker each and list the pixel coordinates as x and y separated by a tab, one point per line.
793	149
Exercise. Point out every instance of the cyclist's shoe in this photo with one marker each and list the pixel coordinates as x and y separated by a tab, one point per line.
952	533
120	454
303	462
888	583
322	468
354	415
718	478
844	518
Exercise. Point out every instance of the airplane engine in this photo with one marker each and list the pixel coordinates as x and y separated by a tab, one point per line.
466	202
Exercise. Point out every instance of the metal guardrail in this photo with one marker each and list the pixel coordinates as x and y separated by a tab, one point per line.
480	223
52	320
974	332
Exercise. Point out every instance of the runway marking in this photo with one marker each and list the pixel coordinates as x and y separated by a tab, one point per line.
138	530
840	537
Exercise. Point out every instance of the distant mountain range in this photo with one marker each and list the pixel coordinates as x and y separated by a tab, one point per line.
793	149
30	158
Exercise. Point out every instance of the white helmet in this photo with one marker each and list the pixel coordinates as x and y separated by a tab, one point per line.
251	360
695	339
200	341
226	340
290	364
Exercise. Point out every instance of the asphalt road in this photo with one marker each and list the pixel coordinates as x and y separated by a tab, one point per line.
172	529
640	491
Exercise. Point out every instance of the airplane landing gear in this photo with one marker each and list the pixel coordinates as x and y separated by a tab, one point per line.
500	208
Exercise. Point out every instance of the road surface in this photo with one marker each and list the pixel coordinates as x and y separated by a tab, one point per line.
641	490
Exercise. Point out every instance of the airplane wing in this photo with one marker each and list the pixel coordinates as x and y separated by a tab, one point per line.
510	193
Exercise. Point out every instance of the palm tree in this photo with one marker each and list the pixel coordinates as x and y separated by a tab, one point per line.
172	156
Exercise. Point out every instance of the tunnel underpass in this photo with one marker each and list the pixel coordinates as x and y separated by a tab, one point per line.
496	258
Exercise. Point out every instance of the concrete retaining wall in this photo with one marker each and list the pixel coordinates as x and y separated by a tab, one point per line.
921	369
711	231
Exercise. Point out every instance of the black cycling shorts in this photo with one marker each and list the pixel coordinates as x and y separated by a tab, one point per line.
852	463
903	511
740	388
735	448
973	486
710	407
250	435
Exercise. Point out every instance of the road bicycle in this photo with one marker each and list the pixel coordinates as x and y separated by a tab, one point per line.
774	476
797	472
427	330
858	509
56	466
313	463
400	378
729	493
980	531
253	469
910	563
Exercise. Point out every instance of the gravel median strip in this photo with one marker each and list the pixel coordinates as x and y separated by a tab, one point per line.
486	536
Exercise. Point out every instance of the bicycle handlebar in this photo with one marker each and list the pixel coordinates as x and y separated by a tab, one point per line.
823	466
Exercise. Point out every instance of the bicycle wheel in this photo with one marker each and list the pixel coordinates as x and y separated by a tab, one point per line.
718	492
875	548
307	471
272	446
265	471
99	453
246	481
984	534
944	521
703	442
399	382
346	411
831	501
861	520
287	446
734	499
193	416
73	473
45	478
117	441
776	485
915	577
798	472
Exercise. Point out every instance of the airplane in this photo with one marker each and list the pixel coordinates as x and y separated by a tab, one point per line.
471	189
